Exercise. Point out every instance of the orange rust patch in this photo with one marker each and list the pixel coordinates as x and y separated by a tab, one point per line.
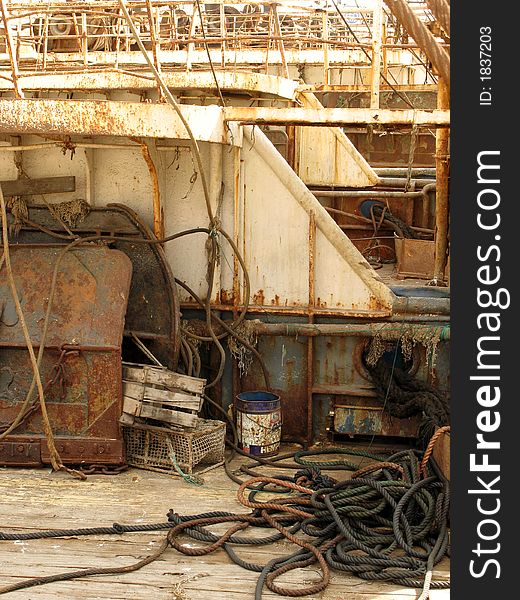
226	297
320	304
259	298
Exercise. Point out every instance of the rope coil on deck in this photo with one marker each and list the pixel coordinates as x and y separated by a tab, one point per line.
388	524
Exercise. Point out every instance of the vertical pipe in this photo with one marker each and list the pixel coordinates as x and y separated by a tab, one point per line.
216	191
269	29
153	37
310	341
291	145
385	49
158	214
442	201
281	47
222	35
377	33
325	36
45	40
191	45
84	38
236	210
235	375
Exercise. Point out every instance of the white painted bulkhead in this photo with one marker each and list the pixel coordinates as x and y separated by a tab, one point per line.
265	207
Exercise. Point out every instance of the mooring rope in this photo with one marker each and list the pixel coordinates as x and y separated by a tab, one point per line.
387	524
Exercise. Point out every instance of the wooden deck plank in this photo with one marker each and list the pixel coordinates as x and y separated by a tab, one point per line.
38	499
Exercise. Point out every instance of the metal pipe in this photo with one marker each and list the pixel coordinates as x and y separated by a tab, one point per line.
403	172
398	182
365	194
439	58
392	330
441	11
425	212
421	306
442	198
158	213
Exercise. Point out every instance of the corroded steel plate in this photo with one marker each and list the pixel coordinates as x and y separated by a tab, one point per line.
82	354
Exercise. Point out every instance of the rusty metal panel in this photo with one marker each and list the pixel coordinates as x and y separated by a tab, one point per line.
81	365
370	419
153	306
415	258
285	360
91	287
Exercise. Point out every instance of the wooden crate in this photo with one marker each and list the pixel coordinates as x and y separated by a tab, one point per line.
156	393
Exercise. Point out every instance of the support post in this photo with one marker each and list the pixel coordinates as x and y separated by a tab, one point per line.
442	202
377	34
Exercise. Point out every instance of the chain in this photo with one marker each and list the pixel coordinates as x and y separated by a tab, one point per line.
97	469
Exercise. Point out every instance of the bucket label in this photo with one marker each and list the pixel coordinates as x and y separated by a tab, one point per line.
259	433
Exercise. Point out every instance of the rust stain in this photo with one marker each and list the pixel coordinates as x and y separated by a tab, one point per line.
320	303
259	298
226	297
276	300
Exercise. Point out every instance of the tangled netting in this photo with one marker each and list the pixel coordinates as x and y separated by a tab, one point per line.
404	396
385	523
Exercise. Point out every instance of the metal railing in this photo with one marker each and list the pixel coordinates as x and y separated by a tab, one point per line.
42	36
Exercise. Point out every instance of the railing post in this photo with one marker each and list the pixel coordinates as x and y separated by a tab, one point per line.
377	33
281	46
325	38
10	49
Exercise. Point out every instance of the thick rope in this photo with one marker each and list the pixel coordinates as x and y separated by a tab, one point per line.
375	527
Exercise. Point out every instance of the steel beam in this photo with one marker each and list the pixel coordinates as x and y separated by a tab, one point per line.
393	330
441	11
253	83
337	116
439	58
129	119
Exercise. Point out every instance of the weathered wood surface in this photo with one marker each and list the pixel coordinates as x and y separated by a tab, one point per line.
143	409
37	499
43	185
169	379
140	391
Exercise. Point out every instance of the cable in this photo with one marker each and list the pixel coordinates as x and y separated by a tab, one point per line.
208	53
84	240
175	105
55	458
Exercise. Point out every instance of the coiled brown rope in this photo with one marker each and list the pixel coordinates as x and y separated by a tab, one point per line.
431	445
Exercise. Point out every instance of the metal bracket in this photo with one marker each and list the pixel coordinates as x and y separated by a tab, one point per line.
8	314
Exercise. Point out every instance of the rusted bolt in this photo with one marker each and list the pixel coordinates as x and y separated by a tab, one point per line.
20	448
101	449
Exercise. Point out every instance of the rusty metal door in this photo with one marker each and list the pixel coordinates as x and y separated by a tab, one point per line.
81	365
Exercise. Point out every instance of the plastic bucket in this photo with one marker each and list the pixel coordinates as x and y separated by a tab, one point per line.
259	422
